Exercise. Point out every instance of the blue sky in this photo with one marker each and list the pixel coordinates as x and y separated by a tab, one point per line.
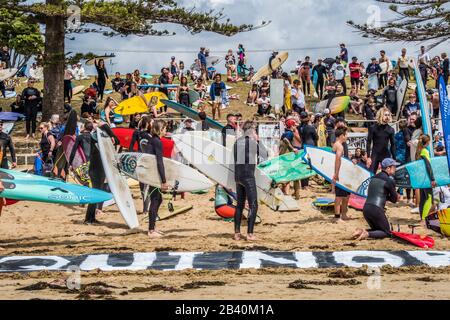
295	24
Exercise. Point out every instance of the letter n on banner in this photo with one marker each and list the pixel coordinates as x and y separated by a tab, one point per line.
445	115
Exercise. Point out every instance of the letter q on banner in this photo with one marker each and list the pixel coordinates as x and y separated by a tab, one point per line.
74	17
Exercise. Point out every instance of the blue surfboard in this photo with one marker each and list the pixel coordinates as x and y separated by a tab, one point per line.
414	175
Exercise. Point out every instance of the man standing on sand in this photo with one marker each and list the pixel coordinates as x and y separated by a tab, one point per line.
342	196
247	151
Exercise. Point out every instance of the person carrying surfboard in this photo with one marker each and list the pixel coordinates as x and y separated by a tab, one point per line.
154	147
426	195
381	189
246	152
97	172
342	196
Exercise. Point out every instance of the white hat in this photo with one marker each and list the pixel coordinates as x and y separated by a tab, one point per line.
326	111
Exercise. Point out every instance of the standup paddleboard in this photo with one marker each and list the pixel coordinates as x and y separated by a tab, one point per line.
91	62
414	174
143	168
216	162
10	116
267	70
352	178
211	61
9	94
117	183
77	90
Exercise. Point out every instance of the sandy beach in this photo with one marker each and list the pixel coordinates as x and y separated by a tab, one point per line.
37	229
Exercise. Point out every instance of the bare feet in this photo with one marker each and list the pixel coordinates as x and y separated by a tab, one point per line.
237	237
154	235
357	234
251	237
99	213
27	137
346	218
364	235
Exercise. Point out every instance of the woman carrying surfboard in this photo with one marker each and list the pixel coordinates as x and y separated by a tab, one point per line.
426	195
154	147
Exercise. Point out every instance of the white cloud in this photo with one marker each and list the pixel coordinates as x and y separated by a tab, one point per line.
295	24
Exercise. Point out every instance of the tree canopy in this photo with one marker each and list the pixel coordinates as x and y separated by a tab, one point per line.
21	35
416	20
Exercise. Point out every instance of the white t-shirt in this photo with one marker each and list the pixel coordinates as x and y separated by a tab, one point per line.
425	57
264	102
338	71
301	97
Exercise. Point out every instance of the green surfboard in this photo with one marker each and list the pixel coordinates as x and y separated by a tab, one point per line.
288	167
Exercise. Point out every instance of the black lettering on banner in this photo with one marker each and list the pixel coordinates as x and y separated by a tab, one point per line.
165	261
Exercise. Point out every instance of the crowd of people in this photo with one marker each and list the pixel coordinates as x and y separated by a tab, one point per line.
386	147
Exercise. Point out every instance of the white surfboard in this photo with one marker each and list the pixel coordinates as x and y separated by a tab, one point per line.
213	135
8	127
7	73
77	90
352	178
117	183
9	94
211	61
276	92
401	94
216	162
267	70
384	67
143	168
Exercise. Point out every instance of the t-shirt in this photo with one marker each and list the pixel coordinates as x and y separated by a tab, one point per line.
355	74
412	107
425	57
344	54
403	62
338	71
300	102
264	103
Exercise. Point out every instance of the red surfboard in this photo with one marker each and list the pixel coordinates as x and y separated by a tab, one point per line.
357	202
425	242
125	134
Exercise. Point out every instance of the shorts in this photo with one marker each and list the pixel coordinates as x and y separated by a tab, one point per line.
341	193
218	99
354	81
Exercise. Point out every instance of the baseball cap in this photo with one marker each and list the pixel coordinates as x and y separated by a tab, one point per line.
389	162
290	123
303	115
326	111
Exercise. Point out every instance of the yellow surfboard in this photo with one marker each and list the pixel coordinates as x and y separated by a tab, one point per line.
137	104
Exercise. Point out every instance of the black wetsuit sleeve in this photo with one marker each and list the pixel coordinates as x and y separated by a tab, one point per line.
134	139
429	169
224	136
263	154
369	140
392	142
157	145
11	149
110	133
391	192
74	149
407	135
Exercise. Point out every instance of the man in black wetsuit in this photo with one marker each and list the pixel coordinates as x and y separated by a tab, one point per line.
32	98
390	96
229	129
381	189
321	75
6	143
247	150
97	173
381	135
